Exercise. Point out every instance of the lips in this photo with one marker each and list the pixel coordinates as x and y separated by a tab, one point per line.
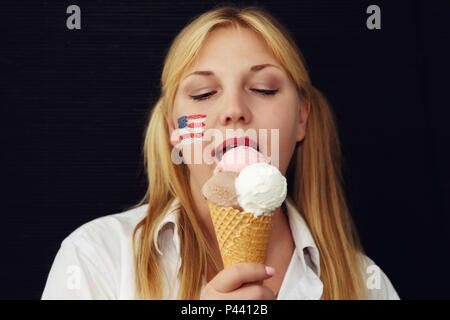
234	142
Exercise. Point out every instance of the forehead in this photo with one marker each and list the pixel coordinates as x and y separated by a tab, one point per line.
227	46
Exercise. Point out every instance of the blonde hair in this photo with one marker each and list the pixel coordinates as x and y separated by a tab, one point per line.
315	182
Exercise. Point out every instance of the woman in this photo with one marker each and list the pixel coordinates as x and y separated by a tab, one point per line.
242	70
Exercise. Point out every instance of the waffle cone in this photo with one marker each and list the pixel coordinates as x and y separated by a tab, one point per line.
242	237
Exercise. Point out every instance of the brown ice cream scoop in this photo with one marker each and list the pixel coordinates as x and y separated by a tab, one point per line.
220	189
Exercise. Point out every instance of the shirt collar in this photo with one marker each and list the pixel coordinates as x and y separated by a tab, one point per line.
300	232
171	219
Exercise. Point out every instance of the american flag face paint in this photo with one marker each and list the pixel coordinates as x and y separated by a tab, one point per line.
191	128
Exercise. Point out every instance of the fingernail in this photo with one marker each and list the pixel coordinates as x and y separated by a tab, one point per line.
270	271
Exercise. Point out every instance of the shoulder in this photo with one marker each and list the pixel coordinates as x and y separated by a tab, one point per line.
377	282
107	231
95	261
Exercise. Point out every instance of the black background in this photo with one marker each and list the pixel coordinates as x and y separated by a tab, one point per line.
75	105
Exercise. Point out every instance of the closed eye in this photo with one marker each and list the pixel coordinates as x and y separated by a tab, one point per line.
206	96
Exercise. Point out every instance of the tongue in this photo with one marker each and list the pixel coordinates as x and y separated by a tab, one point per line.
237	158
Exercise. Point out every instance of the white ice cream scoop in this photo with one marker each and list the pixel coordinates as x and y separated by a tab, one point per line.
261	188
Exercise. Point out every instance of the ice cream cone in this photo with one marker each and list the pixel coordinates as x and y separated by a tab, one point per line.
242	237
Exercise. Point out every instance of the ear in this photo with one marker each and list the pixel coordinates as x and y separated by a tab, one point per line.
174	139
304	109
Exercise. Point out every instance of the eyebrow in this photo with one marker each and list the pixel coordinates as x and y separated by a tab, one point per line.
254	68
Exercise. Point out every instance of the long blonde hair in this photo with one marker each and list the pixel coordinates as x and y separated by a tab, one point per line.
315	182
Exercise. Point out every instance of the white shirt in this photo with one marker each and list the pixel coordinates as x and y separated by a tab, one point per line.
96	261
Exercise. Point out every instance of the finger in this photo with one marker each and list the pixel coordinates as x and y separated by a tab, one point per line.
233	277
249	292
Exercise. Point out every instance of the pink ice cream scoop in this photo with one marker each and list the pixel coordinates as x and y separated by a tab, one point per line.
239	157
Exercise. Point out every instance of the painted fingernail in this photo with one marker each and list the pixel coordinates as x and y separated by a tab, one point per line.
270	271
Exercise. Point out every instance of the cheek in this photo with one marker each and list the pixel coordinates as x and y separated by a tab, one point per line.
282	118
285	121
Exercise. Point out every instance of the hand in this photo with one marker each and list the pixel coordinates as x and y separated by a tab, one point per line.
242	281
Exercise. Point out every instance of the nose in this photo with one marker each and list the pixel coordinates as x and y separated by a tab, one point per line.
235	111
